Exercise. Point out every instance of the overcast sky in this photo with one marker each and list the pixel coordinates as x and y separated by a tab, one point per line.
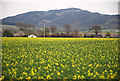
14	7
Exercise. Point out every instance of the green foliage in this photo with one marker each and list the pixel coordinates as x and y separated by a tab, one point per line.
62	33
7	33
21	28
108	34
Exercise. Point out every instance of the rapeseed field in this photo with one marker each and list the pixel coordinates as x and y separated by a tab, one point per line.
60	58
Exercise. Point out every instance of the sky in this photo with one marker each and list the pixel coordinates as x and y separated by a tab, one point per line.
14	7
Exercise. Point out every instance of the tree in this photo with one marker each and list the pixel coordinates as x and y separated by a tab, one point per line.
7	33
22	28
53	29
108	34
96	29
67	29
76	32
38	32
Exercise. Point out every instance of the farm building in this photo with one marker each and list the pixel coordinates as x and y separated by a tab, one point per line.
32	36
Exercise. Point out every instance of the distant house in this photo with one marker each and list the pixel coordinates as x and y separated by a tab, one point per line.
32	36
115	35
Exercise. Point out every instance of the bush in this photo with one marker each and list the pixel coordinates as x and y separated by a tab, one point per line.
7	33
108	34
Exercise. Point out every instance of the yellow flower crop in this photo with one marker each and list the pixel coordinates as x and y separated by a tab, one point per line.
60	58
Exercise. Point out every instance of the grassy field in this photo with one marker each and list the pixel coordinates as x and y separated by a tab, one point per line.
60	58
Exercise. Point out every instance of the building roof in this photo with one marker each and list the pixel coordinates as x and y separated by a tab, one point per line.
32	36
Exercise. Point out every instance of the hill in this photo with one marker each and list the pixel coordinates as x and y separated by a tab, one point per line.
76	18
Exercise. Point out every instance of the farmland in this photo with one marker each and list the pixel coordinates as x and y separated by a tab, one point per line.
60	58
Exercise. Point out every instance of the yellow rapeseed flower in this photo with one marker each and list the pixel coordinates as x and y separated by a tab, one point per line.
28	77
20	77
112	77
32	72
3	77
83	76
79	77
48	76
61	71
75	77
58	73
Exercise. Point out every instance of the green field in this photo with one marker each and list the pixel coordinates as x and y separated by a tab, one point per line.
60	58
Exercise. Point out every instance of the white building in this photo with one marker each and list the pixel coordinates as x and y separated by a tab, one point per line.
32	36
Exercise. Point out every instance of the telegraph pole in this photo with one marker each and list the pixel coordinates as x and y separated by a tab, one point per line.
50	32
44	26
45	21
44	29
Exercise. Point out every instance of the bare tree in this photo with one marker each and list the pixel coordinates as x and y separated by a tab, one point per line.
76	32
53	29
96	29
68	29
38	32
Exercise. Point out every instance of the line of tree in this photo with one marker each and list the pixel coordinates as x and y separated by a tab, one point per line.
68	29
31	29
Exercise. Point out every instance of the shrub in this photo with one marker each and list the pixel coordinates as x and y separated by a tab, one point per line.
7	33
108	34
